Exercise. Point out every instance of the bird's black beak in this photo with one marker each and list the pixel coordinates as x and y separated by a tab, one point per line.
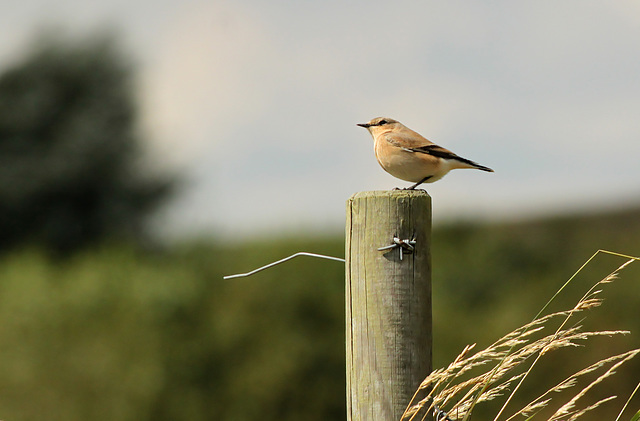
365	125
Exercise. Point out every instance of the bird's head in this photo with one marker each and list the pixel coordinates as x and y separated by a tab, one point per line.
380	125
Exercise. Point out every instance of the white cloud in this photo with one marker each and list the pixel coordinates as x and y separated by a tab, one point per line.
208	74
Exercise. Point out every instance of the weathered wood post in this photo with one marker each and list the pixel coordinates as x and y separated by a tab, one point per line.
388	302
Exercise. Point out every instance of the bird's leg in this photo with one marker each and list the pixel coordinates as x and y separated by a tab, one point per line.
419	182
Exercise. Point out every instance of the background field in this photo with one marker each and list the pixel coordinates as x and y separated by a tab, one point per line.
119	333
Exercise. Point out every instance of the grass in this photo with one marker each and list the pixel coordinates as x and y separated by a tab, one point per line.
453	392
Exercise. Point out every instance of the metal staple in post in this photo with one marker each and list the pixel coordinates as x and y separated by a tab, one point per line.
407	245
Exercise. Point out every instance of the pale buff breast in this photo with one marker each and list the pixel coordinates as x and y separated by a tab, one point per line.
402	164
412	166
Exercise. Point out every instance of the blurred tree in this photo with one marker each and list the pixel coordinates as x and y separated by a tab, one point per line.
70	168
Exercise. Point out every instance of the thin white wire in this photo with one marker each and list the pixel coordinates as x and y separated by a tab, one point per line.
302	253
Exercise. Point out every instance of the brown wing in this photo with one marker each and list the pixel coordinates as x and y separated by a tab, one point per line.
440	152
407	139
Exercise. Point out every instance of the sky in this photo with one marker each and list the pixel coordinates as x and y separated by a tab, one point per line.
256	102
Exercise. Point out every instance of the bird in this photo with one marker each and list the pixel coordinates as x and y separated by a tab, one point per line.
407	155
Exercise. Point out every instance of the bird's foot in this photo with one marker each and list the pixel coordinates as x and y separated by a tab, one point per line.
407	188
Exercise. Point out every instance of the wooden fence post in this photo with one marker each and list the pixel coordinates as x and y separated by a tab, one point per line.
388	302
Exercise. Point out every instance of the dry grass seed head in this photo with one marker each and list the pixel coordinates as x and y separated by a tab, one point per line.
567	408
512	350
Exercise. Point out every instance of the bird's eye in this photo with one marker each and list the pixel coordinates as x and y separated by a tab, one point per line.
382	122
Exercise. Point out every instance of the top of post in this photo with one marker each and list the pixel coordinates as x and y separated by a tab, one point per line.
396	194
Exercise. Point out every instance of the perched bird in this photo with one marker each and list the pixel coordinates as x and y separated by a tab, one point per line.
409	156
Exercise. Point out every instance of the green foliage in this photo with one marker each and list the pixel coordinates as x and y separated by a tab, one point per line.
70	173
116	334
